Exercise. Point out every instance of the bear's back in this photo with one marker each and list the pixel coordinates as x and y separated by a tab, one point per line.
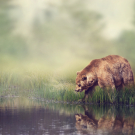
114	58
106	64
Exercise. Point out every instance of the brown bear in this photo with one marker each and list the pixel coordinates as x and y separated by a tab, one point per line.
112	71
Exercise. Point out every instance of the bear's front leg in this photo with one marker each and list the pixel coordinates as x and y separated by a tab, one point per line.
85	98
88	92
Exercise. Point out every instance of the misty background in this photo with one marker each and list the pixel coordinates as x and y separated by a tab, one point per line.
62	37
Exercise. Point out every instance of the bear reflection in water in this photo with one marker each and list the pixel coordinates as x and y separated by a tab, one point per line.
109	123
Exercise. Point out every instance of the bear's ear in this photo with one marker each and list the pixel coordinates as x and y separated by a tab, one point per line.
84	77
78	72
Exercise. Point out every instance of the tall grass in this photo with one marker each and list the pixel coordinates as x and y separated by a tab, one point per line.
54	87
126	96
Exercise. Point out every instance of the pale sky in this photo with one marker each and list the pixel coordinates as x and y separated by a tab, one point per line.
117	14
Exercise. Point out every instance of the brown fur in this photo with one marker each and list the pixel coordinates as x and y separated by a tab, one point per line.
107	124
112	71
83	122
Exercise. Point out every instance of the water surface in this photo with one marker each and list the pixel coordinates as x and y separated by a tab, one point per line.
19	116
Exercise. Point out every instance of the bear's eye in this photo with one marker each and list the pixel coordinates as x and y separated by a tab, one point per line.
79	85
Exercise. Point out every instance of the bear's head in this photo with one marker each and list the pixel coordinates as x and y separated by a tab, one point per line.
81	120
84	81
84	122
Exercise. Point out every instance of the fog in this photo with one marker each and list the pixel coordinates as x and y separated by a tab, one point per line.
64	36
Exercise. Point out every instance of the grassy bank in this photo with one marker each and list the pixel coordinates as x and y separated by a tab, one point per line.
100	96
55	87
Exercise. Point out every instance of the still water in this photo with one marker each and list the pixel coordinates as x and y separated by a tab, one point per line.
21	116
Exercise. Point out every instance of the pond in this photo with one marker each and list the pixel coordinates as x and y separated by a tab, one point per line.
23	116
